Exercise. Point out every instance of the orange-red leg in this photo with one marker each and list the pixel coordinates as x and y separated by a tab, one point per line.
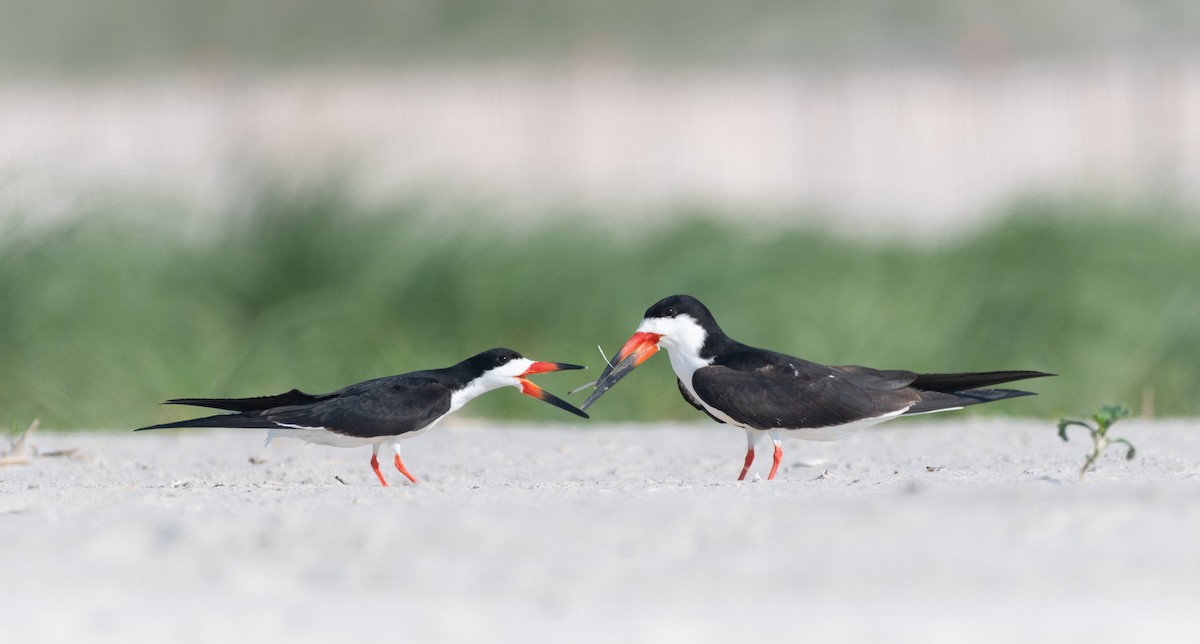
375	466
403	470
749	461
750	436
778	457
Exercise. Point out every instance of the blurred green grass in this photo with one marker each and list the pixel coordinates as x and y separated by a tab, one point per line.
106	316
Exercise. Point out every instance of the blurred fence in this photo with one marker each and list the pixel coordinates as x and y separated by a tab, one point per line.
903	149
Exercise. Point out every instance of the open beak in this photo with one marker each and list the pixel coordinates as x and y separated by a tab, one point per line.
530	389
640	347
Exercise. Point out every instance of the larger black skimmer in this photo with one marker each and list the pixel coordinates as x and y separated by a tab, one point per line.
380	411
771	393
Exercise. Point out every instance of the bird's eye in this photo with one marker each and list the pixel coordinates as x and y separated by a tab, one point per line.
504	359
671	312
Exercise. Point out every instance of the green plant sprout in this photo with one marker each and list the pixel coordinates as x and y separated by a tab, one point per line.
1103	419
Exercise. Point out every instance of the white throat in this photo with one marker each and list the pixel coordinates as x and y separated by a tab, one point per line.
682	338
502	376
465	395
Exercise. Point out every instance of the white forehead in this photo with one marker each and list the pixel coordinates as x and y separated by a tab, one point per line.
681	331
511	369
668	326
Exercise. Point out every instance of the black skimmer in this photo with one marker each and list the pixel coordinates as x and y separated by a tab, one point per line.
380	411
771	393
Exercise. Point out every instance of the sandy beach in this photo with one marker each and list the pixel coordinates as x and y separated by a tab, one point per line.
968	530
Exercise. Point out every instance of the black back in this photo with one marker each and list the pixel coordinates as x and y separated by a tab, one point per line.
764	390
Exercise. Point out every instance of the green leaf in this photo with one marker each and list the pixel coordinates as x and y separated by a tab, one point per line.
1108	415
1131	452
1064	423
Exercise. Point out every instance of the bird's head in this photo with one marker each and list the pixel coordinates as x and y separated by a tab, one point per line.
679	323
507	368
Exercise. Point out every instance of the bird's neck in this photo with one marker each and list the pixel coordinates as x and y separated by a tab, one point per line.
685	364
470	391
690	351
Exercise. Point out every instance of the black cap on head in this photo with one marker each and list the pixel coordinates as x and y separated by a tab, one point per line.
675	305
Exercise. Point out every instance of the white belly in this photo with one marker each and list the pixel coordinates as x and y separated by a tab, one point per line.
321	436
834	432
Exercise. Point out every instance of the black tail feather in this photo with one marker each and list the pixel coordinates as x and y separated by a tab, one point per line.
960	382
242	421
932	401
261	403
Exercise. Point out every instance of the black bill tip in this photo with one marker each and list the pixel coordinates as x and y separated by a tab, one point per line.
534	391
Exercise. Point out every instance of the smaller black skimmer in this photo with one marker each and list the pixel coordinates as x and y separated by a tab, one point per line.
771	393
380	411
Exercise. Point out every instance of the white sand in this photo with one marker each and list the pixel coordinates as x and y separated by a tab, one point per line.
595	533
